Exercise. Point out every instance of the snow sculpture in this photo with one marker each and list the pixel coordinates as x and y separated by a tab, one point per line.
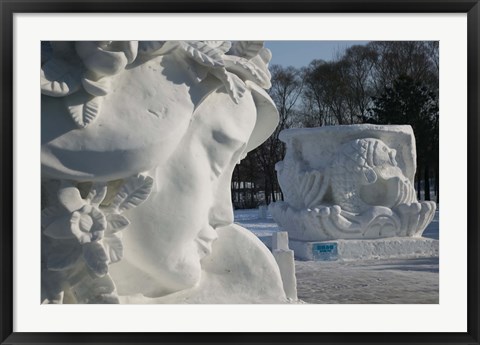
139	141
350	182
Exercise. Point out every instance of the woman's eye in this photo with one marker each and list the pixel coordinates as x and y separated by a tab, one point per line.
223	152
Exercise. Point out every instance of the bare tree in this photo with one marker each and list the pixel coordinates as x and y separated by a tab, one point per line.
287	85
365	83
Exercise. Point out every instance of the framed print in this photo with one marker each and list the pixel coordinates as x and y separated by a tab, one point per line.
151	164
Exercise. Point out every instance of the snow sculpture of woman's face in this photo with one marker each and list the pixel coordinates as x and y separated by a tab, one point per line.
158	125
175	228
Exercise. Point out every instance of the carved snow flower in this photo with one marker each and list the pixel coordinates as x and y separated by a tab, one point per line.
106	57
76	226
90	229
76	217
88	224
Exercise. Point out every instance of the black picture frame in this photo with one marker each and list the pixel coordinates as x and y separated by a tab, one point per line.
9	7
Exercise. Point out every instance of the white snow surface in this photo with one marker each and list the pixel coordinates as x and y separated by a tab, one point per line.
401	281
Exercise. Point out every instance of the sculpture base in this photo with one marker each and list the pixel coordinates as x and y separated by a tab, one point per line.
350	250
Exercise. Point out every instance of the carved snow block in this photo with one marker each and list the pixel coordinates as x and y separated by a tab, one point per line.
286	264
368	249
350	182
280	240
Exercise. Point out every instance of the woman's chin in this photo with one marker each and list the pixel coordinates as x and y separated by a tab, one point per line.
157	280
185	274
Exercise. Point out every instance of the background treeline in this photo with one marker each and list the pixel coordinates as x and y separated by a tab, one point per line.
381	82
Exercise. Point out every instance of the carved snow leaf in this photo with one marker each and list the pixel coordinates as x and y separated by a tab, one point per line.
246	49
95	258
134	192
203	53
116	222
235	86
86	112
247	71
63	257
58	78
114	247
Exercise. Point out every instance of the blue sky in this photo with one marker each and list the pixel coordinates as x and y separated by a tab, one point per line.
301	53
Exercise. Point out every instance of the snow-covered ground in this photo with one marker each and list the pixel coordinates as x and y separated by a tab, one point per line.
404	281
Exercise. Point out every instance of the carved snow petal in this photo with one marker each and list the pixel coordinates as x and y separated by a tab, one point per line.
95	258
247	49
85	222
114	247
69	196
116	222
84	109
77	230
99	220
59	229
134	192
203	53
99	60
58	78
247	71
64	257
130	48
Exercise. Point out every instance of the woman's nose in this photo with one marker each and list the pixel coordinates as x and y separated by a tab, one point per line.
221	212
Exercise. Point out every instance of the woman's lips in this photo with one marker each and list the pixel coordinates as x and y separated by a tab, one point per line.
204	239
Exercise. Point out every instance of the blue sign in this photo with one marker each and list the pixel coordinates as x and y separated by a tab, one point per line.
325	251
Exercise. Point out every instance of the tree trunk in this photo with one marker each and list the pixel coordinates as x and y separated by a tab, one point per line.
418	185
244	192
272	184
267	192
252	192
427	182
